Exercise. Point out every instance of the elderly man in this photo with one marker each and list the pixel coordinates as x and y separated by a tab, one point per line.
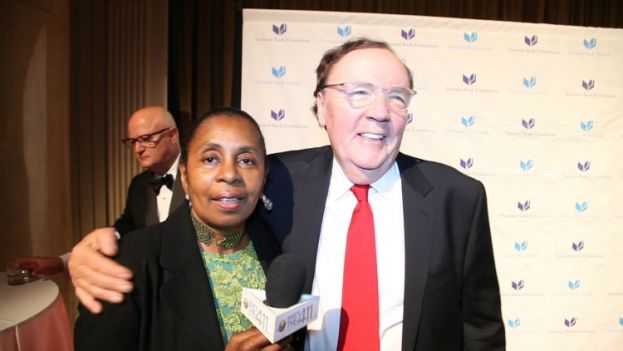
152	195
157	191
398	249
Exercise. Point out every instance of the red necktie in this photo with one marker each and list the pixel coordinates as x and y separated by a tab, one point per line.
359	323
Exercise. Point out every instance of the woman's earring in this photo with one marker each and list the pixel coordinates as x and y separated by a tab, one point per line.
268	205
187	196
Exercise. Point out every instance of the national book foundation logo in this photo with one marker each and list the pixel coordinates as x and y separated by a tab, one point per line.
523	206
521	246
278	115
407	34
344	31
468	121
531	40
280	29
526	165
590	43
528	123
278	72
470	37
586	125
529	82
469	79
467	163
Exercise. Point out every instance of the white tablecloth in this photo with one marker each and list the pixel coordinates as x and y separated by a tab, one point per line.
33	317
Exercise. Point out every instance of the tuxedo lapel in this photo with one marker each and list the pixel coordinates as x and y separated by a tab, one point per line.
418	240
151	205
186	291
178	194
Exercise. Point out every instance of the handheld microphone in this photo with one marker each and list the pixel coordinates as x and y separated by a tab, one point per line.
284	281
280	310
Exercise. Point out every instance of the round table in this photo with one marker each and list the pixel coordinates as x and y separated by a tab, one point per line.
33	317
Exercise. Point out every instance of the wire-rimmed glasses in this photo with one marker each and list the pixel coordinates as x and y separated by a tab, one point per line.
362	94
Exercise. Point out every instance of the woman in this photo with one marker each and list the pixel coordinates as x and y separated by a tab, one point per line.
189	270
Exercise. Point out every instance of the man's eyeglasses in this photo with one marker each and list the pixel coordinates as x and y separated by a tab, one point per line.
147	140
362	94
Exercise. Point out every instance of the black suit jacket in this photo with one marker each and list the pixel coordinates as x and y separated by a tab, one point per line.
452	299
171	307
141	207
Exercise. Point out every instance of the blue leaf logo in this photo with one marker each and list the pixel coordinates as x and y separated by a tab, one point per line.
277	115
588	85
574	284
517	285
281	29
470	37
579	246
526	165
407	34
570	322
521	245
583	167
528	124
468	121
531	41
343	31
590	43
581	206
529	82
278	72
469	80
523	206
586	126
514	323
466	164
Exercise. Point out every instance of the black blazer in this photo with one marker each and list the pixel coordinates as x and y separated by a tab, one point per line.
141	208
171	307
452	299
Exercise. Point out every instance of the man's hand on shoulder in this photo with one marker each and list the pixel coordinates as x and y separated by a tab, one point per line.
96	276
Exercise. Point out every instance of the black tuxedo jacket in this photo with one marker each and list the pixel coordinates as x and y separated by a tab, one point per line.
451	298
171	307
141	207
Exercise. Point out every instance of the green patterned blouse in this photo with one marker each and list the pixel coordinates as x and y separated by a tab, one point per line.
228	274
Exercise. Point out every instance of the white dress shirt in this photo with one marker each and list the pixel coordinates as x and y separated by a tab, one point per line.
385	198
163	198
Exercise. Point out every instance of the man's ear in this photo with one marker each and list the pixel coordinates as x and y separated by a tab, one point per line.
175	134
320	110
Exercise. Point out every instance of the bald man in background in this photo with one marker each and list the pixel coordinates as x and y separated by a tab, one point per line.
153	194
157	191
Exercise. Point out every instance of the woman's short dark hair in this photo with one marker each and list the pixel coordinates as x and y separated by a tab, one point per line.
332	56
220	112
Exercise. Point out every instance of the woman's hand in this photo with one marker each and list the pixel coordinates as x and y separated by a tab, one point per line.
254	340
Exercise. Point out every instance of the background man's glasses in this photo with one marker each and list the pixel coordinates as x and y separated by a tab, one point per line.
362	94
147	140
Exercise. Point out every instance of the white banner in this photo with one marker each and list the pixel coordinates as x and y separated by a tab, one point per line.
534	111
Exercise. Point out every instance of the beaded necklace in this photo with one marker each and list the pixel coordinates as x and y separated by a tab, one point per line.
206	235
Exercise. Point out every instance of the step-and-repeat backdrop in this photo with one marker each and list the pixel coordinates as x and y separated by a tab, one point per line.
534	111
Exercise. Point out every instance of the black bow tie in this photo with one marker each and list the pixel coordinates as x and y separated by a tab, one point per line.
159	181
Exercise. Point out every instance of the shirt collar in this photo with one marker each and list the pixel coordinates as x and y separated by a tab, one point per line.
173	170
340	185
